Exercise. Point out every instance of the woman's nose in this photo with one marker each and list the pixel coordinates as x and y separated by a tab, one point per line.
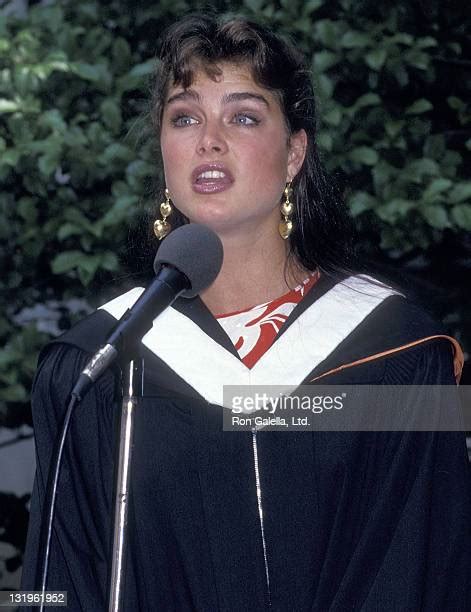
212	140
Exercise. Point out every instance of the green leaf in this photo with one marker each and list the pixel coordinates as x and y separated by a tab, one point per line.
382	175
402	38
95	73
9	106
66	261
364	155
418	59
401	74
139	168
27	210
77	217
312	5
53	120
450	162
456	47
4	45
56	65
460	193
87	266
143	69
14	393
324	140
49	162
323	60
436	188
117	151
361	201
368	99
435	146
353	40
254	5
120	188
51	16
418	107
325	87
461	215
111	113
394	128
89	10
75	138
426	42
395	209
436	216
89	72
393	238
11	157
333	117
109	261
121	210
67	230
121	54
456	103
327	33
375	59
136	77
423	166
401	206
303	25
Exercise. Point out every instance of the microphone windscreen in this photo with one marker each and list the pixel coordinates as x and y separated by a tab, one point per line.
196	251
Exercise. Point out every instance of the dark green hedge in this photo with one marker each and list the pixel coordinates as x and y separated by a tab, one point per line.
79	164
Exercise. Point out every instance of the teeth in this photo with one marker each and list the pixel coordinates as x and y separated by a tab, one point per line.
212	174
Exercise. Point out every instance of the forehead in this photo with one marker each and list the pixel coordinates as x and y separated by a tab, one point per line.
222	78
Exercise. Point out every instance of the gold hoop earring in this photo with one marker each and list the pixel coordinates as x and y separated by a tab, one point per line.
285	226
161	226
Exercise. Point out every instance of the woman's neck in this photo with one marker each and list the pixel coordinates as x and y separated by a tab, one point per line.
253	272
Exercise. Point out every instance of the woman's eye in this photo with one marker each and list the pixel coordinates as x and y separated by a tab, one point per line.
243	119
183	121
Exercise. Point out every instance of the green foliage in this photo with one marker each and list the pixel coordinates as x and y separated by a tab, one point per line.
77	156
71	93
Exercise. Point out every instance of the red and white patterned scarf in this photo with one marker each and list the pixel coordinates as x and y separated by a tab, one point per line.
254	329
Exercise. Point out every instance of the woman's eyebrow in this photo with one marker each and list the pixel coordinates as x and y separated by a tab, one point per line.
244	95
184	95
236	96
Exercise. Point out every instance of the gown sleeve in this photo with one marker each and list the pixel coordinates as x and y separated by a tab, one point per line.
414	552
80	540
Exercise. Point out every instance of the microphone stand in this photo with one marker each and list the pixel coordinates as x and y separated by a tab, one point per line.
133	385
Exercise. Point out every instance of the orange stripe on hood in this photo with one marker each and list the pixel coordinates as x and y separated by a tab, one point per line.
458	357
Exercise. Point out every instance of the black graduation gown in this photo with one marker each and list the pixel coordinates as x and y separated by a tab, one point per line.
352	520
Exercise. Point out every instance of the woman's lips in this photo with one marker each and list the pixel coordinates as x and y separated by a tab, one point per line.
211	178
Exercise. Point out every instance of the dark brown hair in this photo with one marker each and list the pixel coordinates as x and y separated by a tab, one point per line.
322	234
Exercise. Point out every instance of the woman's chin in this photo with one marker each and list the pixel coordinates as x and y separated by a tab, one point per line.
217	220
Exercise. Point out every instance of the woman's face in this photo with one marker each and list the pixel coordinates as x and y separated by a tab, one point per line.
227	152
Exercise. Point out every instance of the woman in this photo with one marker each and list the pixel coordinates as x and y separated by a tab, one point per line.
256	520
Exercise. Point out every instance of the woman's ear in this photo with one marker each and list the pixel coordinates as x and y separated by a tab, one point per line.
296	154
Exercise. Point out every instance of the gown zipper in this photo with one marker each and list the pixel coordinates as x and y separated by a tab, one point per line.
260	511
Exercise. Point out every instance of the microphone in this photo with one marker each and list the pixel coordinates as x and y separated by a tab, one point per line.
187	262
